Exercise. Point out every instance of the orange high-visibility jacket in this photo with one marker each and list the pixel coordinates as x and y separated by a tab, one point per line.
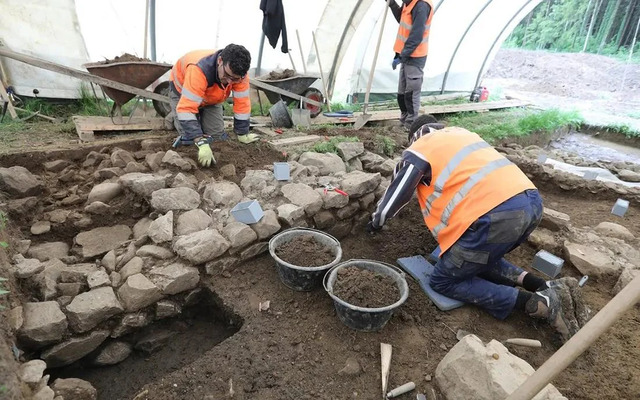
468	179
195	77
406	23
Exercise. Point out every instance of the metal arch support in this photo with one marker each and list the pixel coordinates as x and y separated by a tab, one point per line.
438	6
455	52
484	62
334	65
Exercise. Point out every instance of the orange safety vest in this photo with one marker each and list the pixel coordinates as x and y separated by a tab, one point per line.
406	23
190	80
468	179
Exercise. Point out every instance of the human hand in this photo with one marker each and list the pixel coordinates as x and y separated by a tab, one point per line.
395	62
371	228
205	155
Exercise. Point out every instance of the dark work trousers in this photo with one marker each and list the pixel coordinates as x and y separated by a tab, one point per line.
409	89
474	271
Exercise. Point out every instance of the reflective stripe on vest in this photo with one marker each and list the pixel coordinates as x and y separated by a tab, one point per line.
404	29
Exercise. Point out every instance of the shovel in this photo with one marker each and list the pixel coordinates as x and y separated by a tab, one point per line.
364	118
301	116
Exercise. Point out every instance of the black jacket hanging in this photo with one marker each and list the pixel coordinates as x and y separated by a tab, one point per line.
273	23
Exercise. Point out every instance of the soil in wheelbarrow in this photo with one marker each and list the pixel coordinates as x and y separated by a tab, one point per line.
305	251
276	75
363	288
126	57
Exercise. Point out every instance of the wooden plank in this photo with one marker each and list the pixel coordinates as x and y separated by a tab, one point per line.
295	140
61	69
265	131
435	109
270	88
86	126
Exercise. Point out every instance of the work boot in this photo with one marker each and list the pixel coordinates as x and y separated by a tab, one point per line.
547	304
248	138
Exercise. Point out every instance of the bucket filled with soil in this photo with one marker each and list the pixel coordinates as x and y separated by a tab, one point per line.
365	292
303	256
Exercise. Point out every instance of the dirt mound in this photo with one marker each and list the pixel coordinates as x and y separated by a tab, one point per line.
305	251
364	288
275	75
126	57
565	74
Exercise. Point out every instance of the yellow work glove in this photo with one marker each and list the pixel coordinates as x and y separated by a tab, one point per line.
205	155
248	138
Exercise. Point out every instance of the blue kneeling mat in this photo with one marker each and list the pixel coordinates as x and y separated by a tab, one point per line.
420	269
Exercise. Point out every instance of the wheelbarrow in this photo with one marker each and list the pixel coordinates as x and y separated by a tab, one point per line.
297	84
139	74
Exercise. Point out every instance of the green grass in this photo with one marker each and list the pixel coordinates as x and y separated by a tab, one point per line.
385	145
496	125
329	146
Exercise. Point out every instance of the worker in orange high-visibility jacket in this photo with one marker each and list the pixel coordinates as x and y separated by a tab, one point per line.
201	81
478	206
411	48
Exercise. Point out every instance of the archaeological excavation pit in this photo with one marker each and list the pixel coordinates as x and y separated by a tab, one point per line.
132	243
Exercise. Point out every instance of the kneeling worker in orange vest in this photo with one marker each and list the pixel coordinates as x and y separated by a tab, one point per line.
201	81
478	206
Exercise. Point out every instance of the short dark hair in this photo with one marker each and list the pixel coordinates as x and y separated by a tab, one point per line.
237	57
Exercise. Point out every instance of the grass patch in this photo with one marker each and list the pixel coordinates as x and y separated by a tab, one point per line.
496	125
329	146
385	145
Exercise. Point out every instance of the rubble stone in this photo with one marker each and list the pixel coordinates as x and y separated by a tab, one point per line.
180	198
89	309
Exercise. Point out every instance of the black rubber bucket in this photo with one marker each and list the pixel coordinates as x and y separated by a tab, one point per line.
362	318
280	117
300	277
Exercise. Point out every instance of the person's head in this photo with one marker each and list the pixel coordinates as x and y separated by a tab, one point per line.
233	63
424	124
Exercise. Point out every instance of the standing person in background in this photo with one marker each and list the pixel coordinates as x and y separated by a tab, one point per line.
411	48
201	81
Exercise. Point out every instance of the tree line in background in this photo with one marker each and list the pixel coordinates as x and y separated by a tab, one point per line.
607	27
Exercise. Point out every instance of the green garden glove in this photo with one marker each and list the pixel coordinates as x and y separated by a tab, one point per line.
248	138
205	155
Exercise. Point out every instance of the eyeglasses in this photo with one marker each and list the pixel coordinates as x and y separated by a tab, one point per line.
231	77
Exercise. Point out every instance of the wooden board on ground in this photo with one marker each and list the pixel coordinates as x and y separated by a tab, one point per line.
86	126
434	109
292	141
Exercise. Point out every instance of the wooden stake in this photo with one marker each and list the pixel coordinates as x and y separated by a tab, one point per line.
324	83
385	366
304	64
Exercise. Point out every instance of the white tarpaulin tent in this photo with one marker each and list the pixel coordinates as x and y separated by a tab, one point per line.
465	35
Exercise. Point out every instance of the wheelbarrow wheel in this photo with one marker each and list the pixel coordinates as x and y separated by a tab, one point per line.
313	94
163	109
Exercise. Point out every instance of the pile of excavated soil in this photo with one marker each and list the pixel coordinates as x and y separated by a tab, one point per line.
305	251
364	288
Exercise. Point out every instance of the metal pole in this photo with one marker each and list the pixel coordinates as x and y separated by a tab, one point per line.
152	28
260	54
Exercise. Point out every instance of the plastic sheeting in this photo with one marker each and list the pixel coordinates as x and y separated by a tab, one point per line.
465	35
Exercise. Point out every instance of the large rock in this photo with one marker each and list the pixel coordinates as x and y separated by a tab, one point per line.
131	322
255	181
472	370
357	183
161	229
73	349
553	220
350	150
542	238
200	247
628	175
120	158
172	158
48	251
327	163
132	267
224	193
100	240
627	275
611	229
154	251
27	267
138	292
77	273
267	226
19	182
141	227
192	221
91	308
290	213
74	389
180	198
590	260
43	323
304	196
104	192
333	199
31	372
175	278
111	354
239	234
47	280
371	160
143	184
